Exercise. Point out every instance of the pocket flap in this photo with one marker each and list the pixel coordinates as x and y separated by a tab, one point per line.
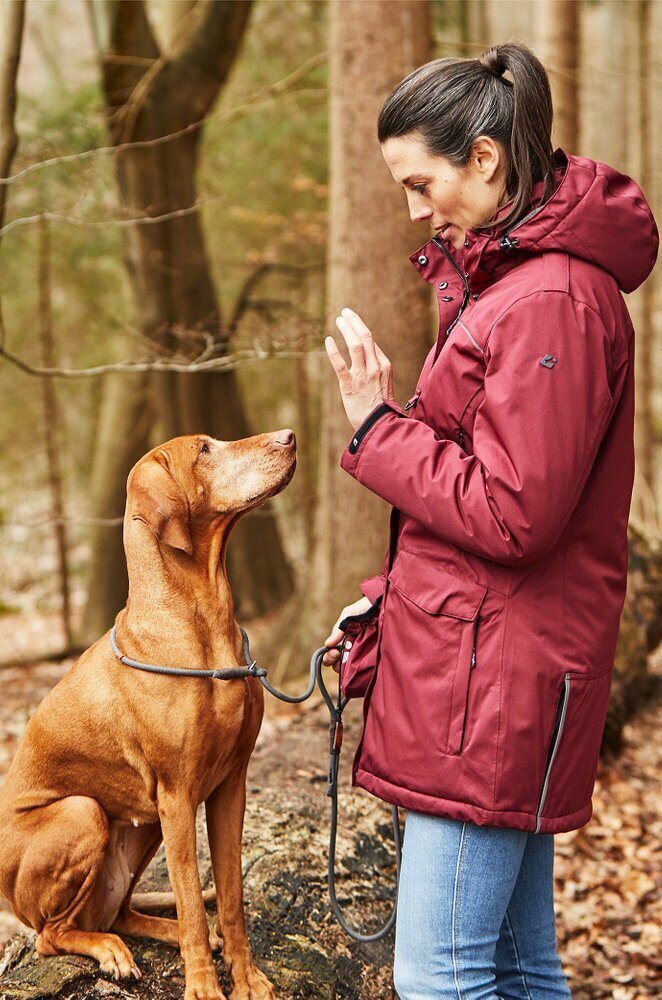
430	585
373	586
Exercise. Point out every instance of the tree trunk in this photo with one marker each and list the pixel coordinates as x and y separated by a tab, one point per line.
557	29
12	19
647	501
11	37
52	430
174	296
372	46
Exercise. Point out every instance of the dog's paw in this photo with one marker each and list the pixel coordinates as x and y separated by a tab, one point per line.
114	957
255	987
203	987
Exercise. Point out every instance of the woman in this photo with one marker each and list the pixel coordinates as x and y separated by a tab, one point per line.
510	474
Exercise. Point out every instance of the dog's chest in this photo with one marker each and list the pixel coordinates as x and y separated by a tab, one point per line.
223	734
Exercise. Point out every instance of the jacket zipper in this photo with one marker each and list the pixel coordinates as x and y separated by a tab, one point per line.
465	298
463	276
471	665
460	435
473	650
556	739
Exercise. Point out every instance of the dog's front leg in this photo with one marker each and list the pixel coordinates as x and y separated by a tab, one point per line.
177	817
225	820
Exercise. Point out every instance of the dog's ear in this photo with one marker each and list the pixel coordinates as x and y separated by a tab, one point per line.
158	500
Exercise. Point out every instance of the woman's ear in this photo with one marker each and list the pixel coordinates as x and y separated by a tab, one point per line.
489	156
156	498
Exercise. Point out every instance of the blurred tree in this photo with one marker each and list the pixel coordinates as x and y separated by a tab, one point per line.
372	46
12	17
154	90
557	29
645	432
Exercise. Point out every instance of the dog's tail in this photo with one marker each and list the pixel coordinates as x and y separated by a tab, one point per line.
147	902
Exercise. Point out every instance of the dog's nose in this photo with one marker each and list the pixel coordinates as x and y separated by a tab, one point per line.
285	436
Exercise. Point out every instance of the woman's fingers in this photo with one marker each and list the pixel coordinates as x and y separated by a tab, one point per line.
338	362
387	372
369	380
355	344
364	336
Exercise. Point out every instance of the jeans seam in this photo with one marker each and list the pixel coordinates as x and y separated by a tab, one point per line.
458	869
517	958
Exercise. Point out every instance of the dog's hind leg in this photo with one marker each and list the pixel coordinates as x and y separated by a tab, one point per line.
59	888
139	846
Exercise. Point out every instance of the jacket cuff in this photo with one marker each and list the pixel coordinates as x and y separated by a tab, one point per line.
349	458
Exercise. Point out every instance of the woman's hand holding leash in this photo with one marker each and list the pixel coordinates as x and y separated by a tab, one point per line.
332	656
370	379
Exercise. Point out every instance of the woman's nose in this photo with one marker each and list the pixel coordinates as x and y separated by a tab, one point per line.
420	213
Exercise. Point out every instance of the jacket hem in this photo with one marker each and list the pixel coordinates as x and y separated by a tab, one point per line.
436	805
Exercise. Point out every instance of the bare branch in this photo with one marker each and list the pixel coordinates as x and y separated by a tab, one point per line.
278	88
143	220
237	360
244	300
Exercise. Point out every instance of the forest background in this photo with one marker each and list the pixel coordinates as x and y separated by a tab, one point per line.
258	250
194	191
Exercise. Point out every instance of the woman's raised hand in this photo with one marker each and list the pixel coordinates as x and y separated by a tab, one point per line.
370	379
332	656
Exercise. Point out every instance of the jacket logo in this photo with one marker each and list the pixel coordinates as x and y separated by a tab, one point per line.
548	361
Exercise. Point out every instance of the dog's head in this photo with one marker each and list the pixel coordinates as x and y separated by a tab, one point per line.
186	485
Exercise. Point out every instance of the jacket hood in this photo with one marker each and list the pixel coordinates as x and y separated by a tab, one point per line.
595	212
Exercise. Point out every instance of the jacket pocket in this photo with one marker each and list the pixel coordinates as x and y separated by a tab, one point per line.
574	745
433	637
358	652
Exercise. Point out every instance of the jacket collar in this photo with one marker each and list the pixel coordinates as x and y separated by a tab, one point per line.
488	254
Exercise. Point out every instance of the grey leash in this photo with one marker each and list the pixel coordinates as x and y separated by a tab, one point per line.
224	674
335	742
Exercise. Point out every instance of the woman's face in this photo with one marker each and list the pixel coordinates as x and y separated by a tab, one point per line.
452	199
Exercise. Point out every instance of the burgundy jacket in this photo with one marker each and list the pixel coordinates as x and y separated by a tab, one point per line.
510	475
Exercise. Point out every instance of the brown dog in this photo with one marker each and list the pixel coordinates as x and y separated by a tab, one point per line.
116	759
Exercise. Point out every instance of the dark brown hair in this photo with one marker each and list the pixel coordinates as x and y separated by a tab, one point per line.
451	102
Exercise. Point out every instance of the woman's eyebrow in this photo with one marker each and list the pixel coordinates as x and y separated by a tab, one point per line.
409	179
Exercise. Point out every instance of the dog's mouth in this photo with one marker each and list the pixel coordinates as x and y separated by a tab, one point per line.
258	498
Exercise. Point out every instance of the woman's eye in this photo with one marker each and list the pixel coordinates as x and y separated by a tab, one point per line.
204	448
419	187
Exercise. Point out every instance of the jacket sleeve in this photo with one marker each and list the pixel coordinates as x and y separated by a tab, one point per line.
536	435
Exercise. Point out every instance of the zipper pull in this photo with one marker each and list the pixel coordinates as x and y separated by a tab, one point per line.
473	651
413	401
460	435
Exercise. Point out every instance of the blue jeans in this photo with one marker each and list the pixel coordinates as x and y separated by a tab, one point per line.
476	913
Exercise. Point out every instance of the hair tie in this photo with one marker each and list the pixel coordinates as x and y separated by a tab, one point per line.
492	62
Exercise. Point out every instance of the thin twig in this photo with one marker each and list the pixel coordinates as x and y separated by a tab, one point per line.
237	360
278	88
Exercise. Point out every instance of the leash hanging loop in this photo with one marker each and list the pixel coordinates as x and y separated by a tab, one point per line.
335	742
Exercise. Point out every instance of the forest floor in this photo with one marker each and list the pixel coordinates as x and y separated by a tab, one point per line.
606	898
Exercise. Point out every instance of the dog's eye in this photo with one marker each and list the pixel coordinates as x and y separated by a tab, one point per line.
204	448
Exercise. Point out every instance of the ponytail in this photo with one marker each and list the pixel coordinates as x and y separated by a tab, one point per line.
451	102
